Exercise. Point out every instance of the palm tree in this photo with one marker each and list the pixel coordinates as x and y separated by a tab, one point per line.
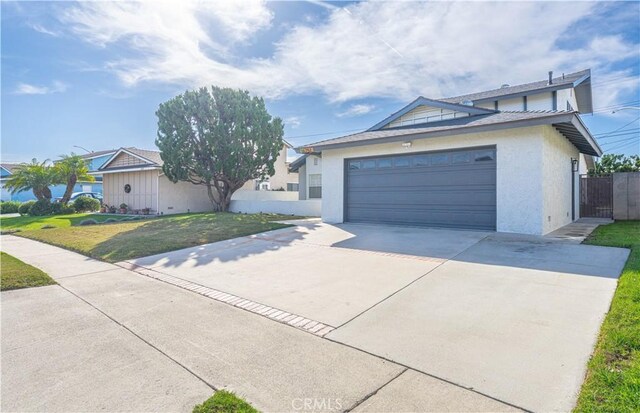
32	176
71	169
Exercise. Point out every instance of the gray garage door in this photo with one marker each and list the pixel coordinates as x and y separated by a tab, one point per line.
455	189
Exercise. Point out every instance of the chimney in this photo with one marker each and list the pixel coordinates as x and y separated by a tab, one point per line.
550	77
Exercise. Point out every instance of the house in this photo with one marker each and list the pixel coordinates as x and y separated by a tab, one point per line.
94	161
134	177
506	159
283	179
309	169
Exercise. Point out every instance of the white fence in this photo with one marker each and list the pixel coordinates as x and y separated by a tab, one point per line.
275	202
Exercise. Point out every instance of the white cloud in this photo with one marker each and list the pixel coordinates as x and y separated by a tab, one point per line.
28	89
41	29
356	110
293	121
382	49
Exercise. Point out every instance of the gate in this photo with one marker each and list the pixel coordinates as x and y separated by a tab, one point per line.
596	196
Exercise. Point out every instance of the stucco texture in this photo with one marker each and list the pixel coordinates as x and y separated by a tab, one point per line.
529	188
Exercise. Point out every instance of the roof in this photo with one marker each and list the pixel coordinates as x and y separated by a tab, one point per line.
298	163
568	123
150	159
96	154
9	166
422	101
580	80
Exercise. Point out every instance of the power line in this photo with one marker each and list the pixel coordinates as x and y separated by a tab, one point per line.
620	128
622	146
622	140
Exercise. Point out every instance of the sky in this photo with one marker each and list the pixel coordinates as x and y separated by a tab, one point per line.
92	74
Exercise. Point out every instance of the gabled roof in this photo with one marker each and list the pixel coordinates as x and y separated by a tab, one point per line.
567	123
9	167
150	159
297	163
581	81
422	101
97	154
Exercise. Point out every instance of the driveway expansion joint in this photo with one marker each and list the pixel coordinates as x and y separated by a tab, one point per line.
299	322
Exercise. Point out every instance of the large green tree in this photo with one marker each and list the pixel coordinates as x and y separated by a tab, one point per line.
611	163
69	170
219	138
35	176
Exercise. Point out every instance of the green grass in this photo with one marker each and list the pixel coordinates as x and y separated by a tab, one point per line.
26	223
613	376
16	274
127	240
224	402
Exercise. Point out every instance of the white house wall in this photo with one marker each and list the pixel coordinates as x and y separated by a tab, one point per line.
511	104
144	189
519	189
312	169
556	175
540	101
182	197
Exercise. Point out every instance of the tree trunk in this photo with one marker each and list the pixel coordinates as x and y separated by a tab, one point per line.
213	197
69	190
46	193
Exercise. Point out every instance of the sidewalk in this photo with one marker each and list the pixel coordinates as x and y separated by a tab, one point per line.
131	338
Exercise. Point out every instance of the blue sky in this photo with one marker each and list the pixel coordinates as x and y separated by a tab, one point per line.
93	73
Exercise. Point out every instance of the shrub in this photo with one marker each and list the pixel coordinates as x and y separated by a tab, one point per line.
86	204
59	208
88	222
40	208
24	207
9	207
110	220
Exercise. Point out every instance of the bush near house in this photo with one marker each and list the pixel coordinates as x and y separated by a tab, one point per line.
9	207
24	207
86	204
40	208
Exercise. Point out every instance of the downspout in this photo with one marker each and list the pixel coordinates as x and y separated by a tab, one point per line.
574	169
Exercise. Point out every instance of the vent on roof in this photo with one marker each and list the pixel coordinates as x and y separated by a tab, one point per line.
550	77
467	102
504	85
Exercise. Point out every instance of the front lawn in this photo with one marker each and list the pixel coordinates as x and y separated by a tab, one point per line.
16	274
224	402
26	223
613	377
133	239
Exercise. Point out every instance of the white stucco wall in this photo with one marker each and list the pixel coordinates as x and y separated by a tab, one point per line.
511	104
556	175
248	195
308	208
540	101
181	197
519	176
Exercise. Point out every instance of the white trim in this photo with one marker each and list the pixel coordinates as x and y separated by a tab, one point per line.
107	171
121	150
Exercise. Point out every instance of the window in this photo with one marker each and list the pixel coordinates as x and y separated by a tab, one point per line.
315	185
292	186
484	156
384	163
401	162
354	164
368	164
460	157
421	160
439	159
315	161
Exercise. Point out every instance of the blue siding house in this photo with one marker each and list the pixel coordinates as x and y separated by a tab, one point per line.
94	160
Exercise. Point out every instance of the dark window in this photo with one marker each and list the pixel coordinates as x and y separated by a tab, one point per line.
292	186
439	159
421	160
484	156
384	163
315	192
401	162
354	164
460	157
368	164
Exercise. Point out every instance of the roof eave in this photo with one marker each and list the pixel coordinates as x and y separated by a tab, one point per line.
558	118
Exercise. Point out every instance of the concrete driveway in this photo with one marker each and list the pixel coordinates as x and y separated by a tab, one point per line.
513	317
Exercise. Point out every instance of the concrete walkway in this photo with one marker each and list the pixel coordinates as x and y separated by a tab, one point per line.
110	339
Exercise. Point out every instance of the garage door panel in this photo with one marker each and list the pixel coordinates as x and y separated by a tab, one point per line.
449	189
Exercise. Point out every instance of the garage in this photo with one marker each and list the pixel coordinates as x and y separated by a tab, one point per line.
451	189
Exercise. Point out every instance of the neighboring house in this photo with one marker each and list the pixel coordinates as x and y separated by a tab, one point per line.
506	159
282	179
94	160
309	169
